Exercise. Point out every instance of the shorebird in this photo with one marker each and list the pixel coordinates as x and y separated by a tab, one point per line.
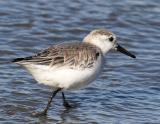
71	65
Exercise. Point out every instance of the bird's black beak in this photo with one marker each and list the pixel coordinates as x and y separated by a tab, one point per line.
124	51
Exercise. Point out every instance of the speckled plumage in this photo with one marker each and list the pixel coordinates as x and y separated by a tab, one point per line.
70	65
78	55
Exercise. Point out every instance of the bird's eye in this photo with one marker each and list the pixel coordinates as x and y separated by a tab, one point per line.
111	39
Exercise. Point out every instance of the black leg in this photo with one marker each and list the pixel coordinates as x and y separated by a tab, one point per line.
65	103
44	112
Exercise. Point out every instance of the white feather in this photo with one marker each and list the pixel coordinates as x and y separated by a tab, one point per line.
65	77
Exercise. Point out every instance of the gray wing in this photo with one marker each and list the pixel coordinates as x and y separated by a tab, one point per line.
66	54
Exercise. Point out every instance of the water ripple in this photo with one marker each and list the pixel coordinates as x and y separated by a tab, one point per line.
127	90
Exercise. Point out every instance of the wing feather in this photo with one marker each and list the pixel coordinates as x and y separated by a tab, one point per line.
77	54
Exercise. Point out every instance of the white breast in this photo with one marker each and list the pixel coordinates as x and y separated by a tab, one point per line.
65	77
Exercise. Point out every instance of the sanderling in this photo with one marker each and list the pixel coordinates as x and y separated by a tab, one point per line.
70	66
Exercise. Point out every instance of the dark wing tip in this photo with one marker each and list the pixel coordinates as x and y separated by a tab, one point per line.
17	59
21	59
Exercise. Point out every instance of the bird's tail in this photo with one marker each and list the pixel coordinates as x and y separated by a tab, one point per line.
17	60
21	60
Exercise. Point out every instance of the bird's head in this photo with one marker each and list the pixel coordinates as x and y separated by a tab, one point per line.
106	41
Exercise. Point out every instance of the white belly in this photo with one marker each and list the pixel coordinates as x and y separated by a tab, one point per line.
64	77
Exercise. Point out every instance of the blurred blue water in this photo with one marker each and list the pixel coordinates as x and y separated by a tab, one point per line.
127	92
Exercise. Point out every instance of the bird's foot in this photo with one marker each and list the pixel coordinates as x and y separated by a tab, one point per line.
37	114
67	105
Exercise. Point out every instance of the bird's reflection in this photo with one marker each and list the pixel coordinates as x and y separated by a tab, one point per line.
68	112
64	114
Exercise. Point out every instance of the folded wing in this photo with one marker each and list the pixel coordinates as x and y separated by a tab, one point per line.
73	55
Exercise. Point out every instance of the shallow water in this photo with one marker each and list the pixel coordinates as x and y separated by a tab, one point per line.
128	90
